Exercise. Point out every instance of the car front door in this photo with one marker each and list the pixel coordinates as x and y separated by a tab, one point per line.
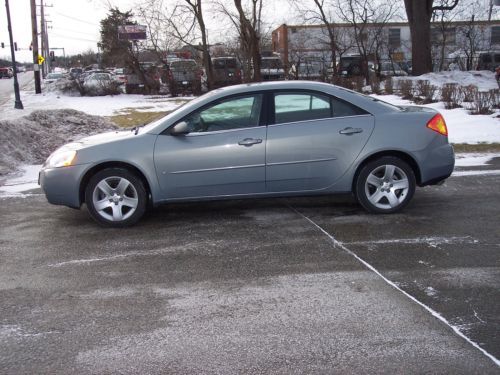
313	141
222	155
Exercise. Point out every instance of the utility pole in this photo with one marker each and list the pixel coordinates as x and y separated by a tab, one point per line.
42	38
34	41
18	104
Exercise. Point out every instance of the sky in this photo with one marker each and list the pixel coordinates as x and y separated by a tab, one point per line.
75	25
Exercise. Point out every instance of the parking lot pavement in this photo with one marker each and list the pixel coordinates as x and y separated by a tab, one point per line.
261	286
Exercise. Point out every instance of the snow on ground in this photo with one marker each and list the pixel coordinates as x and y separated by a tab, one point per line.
483	79
19	183
93	105
462	127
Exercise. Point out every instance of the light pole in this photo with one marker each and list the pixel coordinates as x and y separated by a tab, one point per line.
18	104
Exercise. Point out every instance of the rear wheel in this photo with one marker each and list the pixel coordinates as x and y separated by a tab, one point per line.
385	185
116	197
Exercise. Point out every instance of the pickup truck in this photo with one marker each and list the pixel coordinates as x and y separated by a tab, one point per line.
184	75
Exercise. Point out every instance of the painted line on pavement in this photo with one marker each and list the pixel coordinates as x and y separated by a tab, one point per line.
434	313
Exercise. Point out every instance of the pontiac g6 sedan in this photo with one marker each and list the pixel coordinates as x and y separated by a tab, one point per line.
256	140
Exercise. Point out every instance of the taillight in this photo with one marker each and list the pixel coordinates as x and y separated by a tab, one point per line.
438	125
238	73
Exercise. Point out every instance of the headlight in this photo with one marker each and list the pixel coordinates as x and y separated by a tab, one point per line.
61	159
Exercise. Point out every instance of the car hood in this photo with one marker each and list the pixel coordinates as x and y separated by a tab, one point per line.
97	140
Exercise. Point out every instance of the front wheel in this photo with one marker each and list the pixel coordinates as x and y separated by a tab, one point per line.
385	185
116	197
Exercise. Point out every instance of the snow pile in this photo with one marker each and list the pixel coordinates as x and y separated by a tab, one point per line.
483	79
31	139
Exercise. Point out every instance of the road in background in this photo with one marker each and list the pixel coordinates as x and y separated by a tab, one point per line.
7	86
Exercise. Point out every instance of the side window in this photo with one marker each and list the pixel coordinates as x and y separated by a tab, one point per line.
234	113
342	108
292	107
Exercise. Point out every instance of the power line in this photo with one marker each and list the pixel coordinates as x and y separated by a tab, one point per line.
74	38
72	31
76	19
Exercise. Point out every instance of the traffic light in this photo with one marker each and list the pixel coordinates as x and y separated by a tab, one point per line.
31	46
52	56
3	45
15	46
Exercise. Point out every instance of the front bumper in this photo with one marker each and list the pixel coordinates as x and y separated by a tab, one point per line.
62	185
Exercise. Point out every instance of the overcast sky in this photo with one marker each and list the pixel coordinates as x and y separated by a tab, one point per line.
75	24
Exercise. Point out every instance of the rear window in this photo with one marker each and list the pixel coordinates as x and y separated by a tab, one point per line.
183	64
225	63
271	64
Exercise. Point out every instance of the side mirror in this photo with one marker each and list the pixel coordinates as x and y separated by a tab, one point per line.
181	128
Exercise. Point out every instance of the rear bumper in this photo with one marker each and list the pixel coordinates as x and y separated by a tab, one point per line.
438	165
62	185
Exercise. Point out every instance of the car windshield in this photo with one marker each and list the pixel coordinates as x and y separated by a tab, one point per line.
271	64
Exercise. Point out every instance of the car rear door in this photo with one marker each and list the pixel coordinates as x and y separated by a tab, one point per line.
222	155
313	140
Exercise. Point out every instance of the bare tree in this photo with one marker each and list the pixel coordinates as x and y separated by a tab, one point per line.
250	33
182	20
419	14
249	26
471	36
320	11
367	20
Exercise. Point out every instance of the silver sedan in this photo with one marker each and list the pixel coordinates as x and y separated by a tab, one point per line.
256	140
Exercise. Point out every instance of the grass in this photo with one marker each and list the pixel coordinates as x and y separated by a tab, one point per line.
135	118
480	147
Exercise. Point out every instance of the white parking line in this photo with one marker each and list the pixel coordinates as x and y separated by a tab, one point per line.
479	172
434	313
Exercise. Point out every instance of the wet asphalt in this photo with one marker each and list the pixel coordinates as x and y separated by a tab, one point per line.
256	286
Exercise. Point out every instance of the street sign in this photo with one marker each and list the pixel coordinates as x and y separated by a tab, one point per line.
40	60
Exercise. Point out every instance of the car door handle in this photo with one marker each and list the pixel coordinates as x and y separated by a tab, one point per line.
249	142
349	131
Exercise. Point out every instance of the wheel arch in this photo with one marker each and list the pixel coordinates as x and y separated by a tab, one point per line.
112	164
396	153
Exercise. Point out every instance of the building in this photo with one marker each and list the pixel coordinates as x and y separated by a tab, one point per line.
390	41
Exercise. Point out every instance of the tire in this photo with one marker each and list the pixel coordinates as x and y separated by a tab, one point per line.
116	197
385	185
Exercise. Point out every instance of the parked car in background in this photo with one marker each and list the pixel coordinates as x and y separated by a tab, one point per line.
271	69
21	69
135	82
488	60
100	83
74	73
53	77
352	65
183	76
227	71
390	69
258	140
6	72
307	70
120	75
